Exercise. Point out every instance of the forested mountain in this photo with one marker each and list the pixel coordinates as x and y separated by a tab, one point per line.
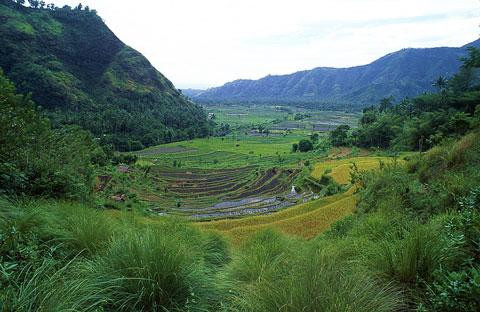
406	73
80	73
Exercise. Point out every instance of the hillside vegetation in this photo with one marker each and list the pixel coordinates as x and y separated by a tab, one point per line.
80	73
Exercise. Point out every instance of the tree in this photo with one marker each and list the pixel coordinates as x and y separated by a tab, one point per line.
37	160
467	78
305	145
441	83
340	136
34	3
369	115
294	147
386	104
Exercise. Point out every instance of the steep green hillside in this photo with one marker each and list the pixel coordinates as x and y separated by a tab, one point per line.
406	73
81	73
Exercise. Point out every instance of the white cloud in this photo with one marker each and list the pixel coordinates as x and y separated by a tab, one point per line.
207	43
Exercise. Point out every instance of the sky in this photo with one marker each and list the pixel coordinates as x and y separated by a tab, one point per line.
206	43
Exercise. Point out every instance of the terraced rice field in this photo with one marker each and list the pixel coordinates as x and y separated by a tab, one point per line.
230	152
221	193
225	177
340	169
241	184
308	219
305	220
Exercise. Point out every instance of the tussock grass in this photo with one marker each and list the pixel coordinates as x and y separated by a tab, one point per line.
414	257
265	256
284	275
119	264
157	270
83	229
51	287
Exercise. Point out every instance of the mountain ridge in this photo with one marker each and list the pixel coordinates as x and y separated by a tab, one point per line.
404	73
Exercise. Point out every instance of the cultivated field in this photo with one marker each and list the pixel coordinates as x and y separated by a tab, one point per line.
281	117
241	183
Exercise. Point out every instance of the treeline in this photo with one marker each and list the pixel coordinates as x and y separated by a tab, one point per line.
36	4
422	122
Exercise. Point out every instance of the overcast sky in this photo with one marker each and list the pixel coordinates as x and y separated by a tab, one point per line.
205	43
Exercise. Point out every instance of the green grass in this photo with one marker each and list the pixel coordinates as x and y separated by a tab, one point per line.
402	254
277	273
93	260
232	152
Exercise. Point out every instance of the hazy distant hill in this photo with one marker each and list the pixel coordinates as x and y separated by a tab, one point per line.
81	73
405	73
192	92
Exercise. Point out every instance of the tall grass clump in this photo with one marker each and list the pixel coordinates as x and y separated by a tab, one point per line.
414	258
80	228
56	287
157	269
216	250
319	280
265	256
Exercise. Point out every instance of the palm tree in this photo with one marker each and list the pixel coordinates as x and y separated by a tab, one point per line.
441	83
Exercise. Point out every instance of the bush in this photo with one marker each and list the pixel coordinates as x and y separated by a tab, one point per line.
51	287
456	291
157	269
413	259
319	280
340	136
305	145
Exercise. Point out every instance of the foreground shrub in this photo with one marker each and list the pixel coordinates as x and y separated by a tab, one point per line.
82	229
320	281
265	256
414	258
456	291
156	270
53	287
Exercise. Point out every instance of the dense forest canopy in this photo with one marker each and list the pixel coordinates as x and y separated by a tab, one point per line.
80	73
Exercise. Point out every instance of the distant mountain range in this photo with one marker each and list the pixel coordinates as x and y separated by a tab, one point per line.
406	73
